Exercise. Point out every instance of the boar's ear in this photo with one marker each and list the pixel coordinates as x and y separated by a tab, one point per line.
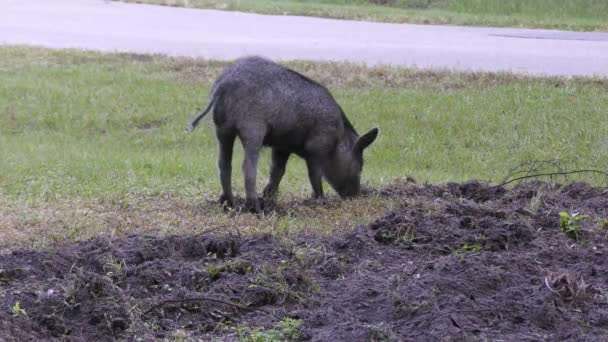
365	140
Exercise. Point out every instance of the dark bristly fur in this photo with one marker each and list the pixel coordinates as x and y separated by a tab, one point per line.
266	104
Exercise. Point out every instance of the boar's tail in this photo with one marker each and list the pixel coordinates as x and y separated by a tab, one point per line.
199	116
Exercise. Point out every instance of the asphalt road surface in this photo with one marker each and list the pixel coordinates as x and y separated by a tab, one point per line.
113	26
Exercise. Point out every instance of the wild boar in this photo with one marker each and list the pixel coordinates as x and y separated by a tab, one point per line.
266	104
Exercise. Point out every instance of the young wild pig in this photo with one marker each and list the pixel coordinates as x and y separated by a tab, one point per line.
266	104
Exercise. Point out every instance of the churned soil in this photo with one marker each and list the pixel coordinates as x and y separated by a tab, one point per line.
456	262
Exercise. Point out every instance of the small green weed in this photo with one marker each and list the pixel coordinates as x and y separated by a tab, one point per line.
602	296
278	286
536	202
569	223
602	223
281	224
213	272
407	236
474	247
113	265
404	235
285	330
17	310
307	255
237	265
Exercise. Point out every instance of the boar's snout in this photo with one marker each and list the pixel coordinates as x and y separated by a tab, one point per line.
349	191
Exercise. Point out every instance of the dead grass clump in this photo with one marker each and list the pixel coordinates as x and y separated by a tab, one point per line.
354	75
566	286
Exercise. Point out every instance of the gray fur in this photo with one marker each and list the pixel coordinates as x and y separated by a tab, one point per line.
266	104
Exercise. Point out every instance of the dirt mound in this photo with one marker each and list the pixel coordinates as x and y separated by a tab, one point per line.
143	286
455	262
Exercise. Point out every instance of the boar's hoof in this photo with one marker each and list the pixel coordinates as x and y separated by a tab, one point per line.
316	202
227	202
321	201
253	206
269	191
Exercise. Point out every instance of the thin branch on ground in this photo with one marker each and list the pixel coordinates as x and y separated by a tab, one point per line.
536	175
549	286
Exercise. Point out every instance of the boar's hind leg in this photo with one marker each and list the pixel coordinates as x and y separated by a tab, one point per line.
226	143
315	175
252	146
277	170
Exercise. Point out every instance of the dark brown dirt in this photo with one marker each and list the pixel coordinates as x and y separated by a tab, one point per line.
457	262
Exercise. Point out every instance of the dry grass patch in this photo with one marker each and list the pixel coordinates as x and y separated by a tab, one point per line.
41	224
330	74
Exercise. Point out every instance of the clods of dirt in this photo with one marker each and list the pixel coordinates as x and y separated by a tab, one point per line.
454	262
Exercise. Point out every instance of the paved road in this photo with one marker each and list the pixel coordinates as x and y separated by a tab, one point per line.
111	26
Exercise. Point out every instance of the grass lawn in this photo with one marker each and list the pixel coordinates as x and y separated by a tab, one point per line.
579	15
94	143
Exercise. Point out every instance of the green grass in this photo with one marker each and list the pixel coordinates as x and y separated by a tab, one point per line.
580	15
89	125
85	133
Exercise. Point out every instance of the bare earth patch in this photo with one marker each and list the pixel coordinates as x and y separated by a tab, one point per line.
453	262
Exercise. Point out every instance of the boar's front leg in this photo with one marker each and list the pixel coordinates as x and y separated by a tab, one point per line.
316	176
226	143
277	170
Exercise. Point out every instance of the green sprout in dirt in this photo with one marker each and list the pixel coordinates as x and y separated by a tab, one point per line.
307	255
281	224
17	310
275	282
237	265
602	223
285	330
569	223
473	247
407	236
113	265
214	272
602	296
404	235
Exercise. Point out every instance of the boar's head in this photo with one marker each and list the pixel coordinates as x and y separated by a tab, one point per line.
343	170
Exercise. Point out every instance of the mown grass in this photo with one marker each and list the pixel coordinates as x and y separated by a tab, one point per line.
581	15
94	143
